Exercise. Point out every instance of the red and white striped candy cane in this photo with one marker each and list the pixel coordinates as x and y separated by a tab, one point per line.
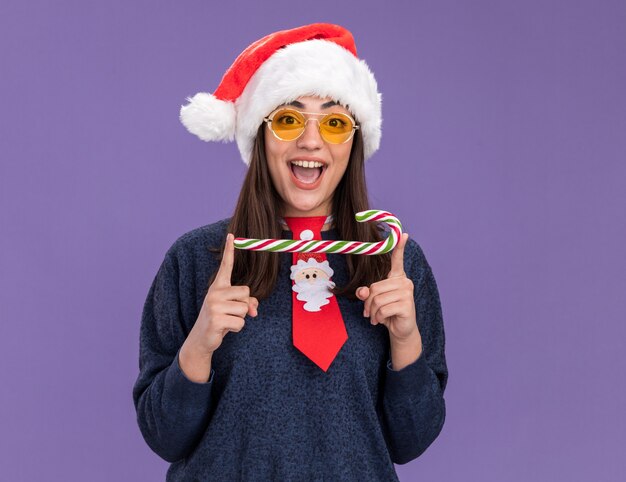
328	246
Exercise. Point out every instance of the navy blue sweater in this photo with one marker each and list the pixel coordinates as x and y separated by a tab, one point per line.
267	412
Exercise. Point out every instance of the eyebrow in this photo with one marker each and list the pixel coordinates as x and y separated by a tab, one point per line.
300	105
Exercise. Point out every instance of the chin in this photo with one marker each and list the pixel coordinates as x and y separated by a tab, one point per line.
304	207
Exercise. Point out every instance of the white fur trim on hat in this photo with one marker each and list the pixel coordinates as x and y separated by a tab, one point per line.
209	118
312	67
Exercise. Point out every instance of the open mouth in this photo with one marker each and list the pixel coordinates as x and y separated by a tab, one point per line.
307	172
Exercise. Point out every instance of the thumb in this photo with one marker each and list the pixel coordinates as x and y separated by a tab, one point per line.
253	306
362	293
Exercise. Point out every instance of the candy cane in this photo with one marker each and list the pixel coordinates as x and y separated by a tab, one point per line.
336	247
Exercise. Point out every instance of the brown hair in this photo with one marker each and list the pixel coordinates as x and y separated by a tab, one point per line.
258	209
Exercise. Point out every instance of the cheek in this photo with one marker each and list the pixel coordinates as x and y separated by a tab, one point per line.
347	148
342	154
341	171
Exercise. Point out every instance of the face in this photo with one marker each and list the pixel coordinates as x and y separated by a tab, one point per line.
307	191
311	275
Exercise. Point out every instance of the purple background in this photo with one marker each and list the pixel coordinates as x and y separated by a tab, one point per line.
503	153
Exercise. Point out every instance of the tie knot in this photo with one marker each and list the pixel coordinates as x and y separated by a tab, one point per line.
306	228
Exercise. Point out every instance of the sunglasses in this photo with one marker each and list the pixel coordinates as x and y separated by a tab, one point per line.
288	124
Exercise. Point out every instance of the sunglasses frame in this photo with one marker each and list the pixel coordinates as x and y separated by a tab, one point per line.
270	118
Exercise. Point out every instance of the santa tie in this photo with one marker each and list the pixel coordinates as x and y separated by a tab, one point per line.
318	328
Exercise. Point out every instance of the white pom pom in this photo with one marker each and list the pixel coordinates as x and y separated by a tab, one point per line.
209	118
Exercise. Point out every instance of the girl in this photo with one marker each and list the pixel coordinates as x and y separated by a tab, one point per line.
333	367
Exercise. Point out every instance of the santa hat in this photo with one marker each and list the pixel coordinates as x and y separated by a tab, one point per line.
318	59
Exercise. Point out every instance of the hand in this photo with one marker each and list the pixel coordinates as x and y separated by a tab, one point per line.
223	310
390	301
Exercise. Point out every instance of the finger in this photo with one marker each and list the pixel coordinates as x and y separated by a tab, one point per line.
397	258
386	312
362	292
236	293
234	308
228	260
253	306
368	302
381	287
379	302
232	323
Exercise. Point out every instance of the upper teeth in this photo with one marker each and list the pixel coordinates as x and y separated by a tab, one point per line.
307	163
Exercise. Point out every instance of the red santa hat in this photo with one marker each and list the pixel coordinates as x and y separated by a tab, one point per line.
318	59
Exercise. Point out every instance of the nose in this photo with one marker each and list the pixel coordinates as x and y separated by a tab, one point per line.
311	138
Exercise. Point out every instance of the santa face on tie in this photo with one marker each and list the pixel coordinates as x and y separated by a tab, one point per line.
312	283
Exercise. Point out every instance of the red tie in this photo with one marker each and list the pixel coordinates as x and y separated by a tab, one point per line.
318	328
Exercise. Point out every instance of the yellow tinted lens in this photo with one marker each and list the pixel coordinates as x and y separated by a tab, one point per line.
336	128
287	124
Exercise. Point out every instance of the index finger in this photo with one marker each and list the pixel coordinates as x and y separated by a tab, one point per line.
228	260
397	258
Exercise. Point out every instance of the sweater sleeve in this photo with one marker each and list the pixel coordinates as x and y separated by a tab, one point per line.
172	411
413	407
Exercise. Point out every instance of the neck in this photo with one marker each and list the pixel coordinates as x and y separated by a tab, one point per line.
290	212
